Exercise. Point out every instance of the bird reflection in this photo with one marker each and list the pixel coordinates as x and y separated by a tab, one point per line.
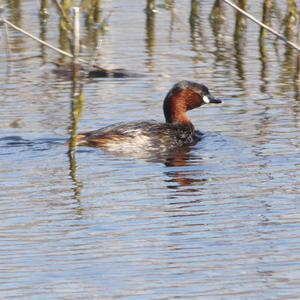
182	157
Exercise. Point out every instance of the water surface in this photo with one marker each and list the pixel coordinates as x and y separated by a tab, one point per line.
219	220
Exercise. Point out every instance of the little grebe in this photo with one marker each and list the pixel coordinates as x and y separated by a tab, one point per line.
150	135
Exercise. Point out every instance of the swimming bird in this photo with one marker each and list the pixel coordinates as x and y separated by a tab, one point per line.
177	131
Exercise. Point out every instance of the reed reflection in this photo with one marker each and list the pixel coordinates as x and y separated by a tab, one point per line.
43	27
288	70
217	12
222	48
263	70
170	5
297	73
150	34
239	40
77	102
266	16
291	20
93	21
268	5
196	31
16	17
15	13
44	8
65	27
292	29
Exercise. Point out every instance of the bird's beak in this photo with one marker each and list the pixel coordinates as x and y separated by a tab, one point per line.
210	99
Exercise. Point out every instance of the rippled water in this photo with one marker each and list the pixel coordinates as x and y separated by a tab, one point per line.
219	220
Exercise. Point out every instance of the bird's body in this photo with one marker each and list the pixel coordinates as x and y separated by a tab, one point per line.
178	130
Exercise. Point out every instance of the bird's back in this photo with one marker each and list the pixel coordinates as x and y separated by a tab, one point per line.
135	136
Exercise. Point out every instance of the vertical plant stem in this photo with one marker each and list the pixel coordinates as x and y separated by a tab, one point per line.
298	56
65	26
76	93
291	20
194	14
297	72
93	22
240	26
76	33
217	12
266	16
150	9
196	31
7	48
77	99
44	7
43	26
76	109
240	21
96	10
93	11
267	7
150	35
63	10
1	8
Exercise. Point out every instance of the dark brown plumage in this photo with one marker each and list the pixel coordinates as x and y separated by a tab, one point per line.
177	131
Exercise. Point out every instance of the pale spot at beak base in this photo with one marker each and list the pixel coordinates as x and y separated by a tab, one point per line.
206	99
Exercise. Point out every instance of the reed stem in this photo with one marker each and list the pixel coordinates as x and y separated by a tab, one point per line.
291	19
76	34
151	7
44	7
266	15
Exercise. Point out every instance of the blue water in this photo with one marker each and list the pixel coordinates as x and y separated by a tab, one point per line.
219	220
